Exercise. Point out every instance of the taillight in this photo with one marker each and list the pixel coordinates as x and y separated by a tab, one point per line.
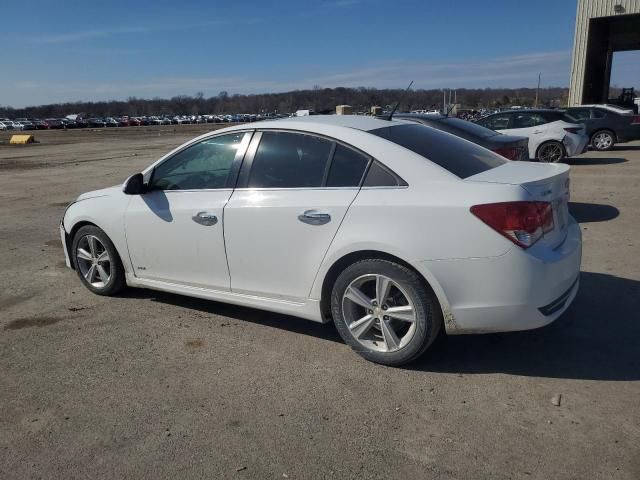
635	120
524	223
509	152
573	130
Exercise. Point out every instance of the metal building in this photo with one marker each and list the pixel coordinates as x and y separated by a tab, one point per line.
602	28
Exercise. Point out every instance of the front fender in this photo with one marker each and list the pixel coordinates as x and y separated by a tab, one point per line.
105	212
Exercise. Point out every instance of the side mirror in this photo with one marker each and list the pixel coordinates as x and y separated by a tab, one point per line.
134	185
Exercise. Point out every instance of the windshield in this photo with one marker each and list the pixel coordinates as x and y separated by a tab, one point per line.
458	156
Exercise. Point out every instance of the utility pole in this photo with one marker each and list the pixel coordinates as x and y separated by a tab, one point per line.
537	90
444	101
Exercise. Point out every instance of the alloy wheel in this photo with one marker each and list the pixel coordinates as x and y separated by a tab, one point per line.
550	153
379	313
602	141
93	261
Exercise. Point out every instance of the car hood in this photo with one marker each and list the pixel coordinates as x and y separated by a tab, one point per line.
103	192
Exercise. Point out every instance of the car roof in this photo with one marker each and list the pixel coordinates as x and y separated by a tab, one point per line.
426	116
310	122
606	106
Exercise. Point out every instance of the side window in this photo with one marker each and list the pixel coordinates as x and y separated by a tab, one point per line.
598	113
347	168
499	121
204	165
379	176
289	160
580	114
526	120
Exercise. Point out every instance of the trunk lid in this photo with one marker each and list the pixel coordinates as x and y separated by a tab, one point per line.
544	182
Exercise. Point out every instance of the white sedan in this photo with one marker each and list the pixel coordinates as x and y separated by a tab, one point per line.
392	229
552	135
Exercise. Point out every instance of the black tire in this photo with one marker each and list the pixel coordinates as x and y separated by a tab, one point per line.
603	140
427	310
558	155
117	280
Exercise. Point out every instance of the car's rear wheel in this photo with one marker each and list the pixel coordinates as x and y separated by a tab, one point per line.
603	140
97	262
550	152
385	312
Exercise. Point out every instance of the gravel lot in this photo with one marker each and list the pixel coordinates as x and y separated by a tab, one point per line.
161	386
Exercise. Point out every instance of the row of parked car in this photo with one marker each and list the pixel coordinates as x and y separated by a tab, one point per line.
541	134
556	134
126	121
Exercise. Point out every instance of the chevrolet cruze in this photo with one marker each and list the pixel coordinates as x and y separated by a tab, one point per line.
393	230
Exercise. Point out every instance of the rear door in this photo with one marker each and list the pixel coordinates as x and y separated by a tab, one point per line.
526	124
293	192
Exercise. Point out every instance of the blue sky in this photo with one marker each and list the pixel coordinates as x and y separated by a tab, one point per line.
56	50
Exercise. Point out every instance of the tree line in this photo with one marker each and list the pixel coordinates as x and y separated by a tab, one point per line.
317	99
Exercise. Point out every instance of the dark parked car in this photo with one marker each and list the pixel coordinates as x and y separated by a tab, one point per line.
134	122
81	123
69	123
40	124
55	123
110	122
607	125
96	122
511	147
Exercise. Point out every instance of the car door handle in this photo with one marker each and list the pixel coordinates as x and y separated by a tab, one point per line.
314	217
205	218
538	131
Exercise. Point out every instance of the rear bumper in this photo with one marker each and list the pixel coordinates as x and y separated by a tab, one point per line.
520	290
575	144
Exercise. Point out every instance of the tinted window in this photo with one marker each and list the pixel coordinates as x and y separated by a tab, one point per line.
465	127
458	156
526	120
347	168
499	121
579	114
289	160
379	176
598	113
201	166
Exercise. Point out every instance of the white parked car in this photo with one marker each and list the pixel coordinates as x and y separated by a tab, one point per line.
552	135
392	229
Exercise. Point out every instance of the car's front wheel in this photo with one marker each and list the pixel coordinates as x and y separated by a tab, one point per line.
97	262
603	140
385	312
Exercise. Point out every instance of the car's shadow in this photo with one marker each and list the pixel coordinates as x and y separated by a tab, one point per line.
596	339
245	314
623	147
592	212
594	160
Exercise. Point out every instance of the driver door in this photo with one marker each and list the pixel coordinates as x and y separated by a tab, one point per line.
175	231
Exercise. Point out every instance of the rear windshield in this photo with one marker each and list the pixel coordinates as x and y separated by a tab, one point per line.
458	156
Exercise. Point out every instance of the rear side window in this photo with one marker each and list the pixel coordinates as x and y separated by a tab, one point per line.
458	156
347	168
379	176
289	160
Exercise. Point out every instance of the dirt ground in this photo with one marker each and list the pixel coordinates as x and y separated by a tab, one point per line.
161	386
